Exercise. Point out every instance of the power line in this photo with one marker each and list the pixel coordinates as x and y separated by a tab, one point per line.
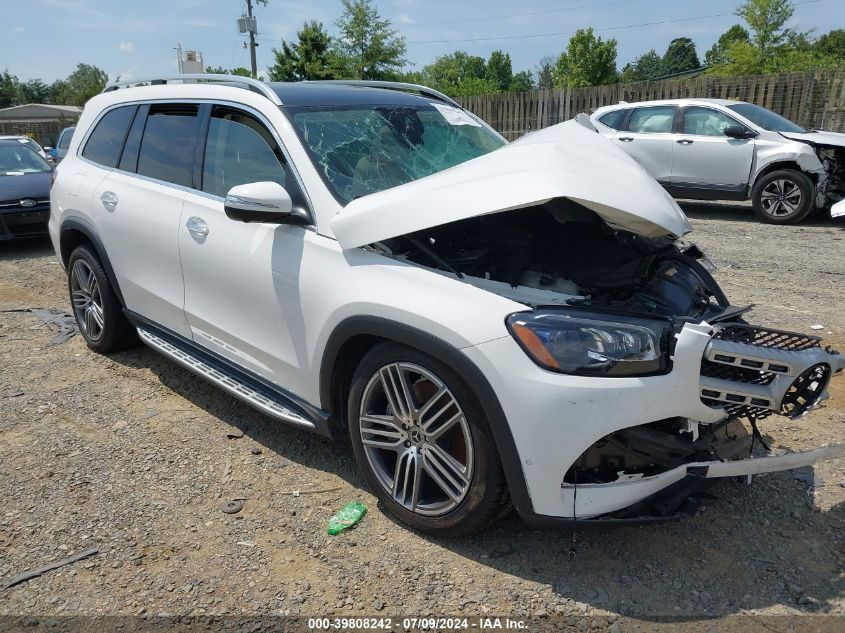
518	15
607	28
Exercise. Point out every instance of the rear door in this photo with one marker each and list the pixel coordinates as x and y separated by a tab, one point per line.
648	137
707	163
139	206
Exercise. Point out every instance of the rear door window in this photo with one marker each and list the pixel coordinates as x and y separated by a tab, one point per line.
168	143
106	141
653	120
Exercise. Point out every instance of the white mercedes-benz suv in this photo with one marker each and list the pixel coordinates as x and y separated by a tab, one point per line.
490	324
717	149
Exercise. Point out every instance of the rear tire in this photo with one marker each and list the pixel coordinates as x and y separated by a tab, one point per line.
426	449
98	311
784	196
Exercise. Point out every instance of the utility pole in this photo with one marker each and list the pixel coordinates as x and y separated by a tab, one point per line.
251	26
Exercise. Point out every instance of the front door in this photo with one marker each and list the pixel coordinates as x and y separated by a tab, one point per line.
707	163
242	292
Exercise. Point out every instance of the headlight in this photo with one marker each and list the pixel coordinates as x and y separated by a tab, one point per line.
591	343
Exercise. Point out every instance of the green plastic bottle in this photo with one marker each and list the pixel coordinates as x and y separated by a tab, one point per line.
348	516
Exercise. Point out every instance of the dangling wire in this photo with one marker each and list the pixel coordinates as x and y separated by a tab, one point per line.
572	549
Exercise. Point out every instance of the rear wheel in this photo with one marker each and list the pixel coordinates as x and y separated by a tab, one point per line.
98	312
423	444
784	196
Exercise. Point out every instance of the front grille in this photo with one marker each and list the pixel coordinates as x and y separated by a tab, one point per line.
27	229
739	410
735	374
16	204
765	337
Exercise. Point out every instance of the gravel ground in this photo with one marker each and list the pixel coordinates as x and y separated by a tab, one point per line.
132	454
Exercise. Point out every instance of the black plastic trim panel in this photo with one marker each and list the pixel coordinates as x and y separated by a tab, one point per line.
88	231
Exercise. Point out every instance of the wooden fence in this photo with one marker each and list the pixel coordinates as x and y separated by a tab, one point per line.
812	99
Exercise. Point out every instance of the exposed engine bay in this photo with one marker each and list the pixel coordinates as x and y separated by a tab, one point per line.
561	253
833	159
651	449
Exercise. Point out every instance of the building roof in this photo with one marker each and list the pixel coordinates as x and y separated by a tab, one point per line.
36	112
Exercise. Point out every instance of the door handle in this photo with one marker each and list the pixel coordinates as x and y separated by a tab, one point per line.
626	139
196	226
684	141
109	200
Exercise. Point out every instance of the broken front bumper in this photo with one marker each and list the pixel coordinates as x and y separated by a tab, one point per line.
555	418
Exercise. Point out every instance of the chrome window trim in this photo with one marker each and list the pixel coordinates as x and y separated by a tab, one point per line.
229	104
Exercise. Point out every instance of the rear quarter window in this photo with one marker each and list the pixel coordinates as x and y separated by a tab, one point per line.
106	141
614	119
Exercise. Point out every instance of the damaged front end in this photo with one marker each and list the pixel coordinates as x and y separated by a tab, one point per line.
628	380
609	304
829	148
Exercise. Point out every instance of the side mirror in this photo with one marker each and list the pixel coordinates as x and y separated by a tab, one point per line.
47	148
262	202
737	131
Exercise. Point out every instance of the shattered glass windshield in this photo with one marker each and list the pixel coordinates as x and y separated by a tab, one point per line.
360	150
766	119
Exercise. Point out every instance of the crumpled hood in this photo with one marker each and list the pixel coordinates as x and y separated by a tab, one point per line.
817	138
565	160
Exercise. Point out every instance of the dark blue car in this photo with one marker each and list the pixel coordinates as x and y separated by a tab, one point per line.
24	192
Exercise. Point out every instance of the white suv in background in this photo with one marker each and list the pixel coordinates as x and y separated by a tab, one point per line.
490	324
716	149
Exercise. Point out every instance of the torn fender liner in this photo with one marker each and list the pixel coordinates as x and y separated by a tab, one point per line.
565	160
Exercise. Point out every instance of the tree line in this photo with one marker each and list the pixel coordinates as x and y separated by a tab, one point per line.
75	89
366	46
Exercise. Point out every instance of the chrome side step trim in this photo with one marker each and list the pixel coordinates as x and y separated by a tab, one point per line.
238	388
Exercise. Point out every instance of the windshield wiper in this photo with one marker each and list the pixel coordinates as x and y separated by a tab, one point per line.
434	256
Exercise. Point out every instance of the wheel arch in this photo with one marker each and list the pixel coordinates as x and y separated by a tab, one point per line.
354	336
783	164
75	232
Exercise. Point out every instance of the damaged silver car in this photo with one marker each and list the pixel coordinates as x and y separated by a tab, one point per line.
718	149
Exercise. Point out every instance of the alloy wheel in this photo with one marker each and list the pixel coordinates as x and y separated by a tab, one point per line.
87	300
781	198
416	439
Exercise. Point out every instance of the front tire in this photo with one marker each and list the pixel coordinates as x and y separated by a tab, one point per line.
423	444
98	312
784	196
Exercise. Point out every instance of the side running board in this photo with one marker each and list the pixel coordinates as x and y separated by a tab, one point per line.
262	398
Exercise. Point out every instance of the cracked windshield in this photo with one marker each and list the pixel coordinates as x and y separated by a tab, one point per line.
365	149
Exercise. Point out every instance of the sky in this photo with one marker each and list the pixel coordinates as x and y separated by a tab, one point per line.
136	39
